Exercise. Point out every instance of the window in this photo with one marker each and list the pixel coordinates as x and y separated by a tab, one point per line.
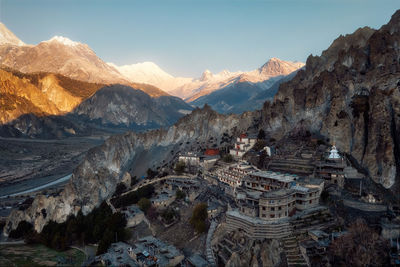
272	215
272	208
280	208
263	208
310	201
263	215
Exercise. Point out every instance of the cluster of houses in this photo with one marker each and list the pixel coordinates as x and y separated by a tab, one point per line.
194	160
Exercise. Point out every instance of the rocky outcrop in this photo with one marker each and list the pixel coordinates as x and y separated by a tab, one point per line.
95	179
253	253
351	95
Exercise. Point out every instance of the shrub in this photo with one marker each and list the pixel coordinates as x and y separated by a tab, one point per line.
180	167
133	197
23	229
144	204
228	158
199	217
180	194
261	134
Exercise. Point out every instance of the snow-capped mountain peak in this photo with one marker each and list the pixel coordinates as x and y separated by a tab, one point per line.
7	37
207	75
63	40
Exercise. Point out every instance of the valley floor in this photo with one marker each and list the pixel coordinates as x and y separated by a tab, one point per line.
28	165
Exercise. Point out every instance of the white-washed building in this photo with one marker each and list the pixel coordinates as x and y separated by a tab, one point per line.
242	145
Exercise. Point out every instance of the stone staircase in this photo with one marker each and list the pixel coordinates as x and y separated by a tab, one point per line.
292	251
209	251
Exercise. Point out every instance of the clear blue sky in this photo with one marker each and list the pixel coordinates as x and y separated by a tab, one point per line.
184	37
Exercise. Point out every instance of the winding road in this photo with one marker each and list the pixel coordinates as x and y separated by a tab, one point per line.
40	187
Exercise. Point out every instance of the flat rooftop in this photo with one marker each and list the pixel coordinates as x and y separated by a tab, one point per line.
277	193
281	177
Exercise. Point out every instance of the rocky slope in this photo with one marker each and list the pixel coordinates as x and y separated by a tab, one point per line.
62	56
96	177
122	105
39	94
46	105
8	37
351	95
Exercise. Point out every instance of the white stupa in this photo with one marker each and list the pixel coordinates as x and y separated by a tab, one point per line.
334	153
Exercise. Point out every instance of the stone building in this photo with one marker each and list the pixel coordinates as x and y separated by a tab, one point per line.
267	200
242	145
234	174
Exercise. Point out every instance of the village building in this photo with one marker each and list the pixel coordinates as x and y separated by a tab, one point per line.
190	158
133	214
214	209
234	174
267	200
194	161
242	145
150	251
196	260
163	199
332	169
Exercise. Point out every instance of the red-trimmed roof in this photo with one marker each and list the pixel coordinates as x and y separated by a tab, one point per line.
243	135
211	152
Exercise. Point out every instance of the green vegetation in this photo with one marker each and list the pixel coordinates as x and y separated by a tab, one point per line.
24	228
121	187
261	134
228	158
180	167
151	174
260	144
360	246
134	180
38	255
133	197
199	218
144	204
180	194
100	226
169	215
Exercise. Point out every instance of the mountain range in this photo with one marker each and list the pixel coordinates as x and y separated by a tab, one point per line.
46	91
230	88
225	91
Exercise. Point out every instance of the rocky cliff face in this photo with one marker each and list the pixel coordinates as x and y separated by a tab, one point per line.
351	95
95	179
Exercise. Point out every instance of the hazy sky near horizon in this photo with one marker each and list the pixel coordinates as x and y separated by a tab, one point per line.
185	37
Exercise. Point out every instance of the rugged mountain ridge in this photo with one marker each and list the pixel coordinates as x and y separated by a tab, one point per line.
47	105
63	56
351	95
8	37
95	179
123	105
40	94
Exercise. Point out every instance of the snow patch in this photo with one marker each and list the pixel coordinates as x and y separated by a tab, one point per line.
63	40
